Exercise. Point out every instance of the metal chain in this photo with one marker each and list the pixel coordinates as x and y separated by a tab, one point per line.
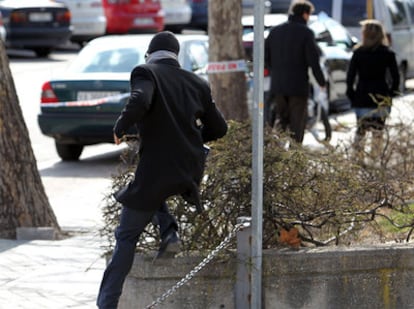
200	266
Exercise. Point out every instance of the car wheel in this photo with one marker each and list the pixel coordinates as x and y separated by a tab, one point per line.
42	51
69	152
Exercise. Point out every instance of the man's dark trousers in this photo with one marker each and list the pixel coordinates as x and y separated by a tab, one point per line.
132	224
291	114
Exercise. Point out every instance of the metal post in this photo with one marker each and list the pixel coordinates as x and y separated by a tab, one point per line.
257	158
243	278
370	9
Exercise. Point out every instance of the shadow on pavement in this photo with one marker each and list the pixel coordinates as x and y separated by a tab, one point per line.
26	55
103	165
7	244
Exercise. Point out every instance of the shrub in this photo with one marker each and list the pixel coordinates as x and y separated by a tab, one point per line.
330	195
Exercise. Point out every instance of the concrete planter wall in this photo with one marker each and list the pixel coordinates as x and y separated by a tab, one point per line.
210	288
328	278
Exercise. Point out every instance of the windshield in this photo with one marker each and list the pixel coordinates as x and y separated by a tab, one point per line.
104	59
197	53
328	31
123	57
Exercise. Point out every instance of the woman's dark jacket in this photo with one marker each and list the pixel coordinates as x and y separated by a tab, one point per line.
175	115
290	49
375	73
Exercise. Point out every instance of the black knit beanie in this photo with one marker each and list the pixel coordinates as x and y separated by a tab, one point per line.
164	40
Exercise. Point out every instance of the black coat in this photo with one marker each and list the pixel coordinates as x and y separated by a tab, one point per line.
176	115
290	49
369	70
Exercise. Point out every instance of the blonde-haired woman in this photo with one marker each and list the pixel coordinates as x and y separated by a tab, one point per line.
372	82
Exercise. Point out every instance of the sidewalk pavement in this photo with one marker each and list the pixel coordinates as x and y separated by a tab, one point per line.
50	274
43	274
66	273
59	274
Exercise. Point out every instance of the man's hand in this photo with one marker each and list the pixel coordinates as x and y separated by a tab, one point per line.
117	140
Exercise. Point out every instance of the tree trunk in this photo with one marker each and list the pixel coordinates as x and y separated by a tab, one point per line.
23	201
225	44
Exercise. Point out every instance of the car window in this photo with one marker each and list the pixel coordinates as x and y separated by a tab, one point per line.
118	60
329	31
399	17
323	6
198	55
248	29
353	12
321	32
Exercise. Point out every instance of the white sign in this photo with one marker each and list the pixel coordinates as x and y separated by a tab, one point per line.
226	66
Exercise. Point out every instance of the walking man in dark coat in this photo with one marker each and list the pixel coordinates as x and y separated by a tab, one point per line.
175	115
290	49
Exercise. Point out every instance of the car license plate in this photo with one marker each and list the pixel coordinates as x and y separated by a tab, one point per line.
40	17
93	95
143	21
266	83
174	17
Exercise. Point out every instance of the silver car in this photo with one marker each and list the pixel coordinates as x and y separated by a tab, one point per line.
87	18
177	14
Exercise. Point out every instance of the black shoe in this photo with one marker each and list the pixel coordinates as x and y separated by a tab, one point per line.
169	246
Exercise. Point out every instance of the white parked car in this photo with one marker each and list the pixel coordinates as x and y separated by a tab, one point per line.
87	18
177	14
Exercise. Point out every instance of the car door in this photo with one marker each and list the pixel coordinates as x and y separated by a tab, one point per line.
410	66
401	36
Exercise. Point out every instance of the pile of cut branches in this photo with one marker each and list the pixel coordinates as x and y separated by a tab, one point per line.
325	196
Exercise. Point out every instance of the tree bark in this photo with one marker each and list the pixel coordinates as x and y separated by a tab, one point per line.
23	200
225	44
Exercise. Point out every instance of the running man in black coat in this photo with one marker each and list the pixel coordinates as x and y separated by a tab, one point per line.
290	49
175	115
